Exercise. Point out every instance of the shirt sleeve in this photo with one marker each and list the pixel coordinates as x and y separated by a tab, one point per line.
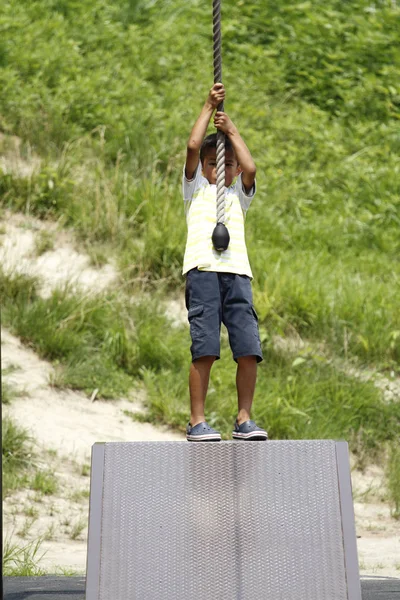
245	198
189	186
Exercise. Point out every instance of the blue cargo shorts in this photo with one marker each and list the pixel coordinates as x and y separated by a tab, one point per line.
212	298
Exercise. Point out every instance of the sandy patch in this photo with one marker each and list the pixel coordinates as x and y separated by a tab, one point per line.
58	267
378	533
67	421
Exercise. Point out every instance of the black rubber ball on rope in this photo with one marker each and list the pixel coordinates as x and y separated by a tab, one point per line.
220	237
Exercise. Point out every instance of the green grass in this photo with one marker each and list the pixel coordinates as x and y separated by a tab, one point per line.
84	470
26	527
25	560
22	561
343	59
17	287
8	392
45	482
19	466
97	342
31	512
50	532
305	399
77	529
44	242
86	334
393	478
18	456
348	304
80	495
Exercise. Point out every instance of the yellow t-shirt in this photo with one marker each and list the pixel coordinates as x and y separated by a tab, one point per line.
201	213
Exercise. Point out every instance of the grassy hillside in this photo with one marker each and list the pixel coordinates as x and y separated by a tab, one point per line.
106	93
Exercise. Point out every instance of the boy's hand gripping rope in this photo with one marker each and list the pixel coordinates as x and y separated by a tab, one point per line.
220	236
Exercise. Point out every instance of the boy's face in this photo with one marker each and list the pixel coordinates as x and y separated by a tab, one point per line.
232	168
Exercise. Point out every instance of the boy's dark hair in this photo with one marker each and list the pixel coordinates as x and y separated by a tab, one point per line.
210	142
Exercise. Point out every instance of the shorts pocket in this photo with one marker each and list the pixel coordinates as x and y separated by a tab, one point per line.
196	322
255	323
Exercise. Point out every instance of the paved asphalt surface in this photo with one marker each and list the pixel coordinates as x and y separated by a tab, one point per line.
73	588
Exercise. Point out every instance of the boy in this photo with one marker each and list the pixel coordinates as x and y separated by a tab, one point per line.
218	283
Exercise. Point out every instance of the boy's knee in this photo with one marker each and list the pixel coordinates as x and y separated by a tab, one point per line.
247	360
206	361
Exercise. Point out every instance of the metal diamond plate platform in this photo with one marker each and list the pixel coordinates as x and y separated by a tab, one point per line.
223	521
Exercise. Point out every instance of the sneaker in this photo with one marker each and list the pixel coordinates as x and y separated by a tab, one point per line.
249	431
202	432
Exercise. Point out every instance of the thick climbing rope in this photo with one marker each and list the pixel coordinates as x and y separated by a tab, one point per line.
220	136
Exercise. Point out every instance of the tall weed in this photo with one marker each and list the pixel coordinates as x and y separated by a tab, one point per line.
22	561
17	455
393	477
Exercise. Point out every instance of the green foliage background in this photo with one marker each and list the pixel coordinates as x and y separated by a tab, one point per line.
106	93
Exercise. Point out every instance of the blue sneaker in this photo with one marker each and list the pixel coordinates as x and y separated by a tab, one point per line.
249	431
202	432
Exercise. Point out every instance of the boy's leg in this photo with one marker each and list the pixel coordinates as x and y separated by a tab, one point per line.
246	377
241	320
199	376
204	313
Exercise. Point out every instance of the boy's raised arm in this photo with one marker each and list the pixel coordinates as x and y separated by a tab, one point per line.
216	95
243	155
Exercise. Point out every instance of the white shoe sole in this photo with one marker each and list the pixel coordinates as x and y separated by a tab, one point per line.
203	438
258	435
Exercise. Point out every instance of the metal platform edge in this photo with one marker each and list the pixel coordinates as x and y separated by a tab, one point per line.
95	519
348	521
